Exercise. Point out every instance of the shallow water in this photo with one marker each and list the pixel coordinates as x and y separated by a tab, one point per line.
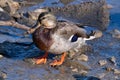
103	48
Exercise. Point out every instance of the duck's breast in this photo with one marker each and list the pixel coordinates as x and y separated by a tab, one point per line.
42	39
61	44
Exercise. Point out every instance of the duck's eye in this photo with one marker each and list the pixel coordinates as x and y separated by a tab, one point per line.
74	38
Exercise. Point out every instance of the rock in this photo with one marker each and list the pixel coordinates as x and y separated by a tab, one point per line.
26	3
109	6
83	57
115	33
29	60
116	78
4	16
71	53
74	13
83	72
98	34
3	74
77	64
1	56
10	6
109	69
113	60
65	2
75	70
116	71
101	75
85	13
102	62
1	9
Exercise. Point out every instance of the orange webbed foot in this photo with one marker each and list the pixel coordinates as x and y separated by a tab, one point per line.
58	62
41	60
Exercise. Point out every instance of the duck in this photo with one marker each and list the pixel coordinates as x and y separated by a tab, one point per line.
55	37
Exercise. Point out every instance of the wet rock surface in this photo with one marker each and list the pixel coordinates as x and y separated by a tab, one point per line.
83	57
102	62
13	66
115	33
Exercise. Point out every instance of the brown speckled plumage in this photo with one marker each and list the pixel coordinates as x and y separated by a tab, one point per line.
45	38
56	37
42	38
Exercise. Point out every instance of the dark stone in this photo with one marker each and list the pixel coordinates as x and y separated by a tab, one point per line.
79	77
92	13
4	16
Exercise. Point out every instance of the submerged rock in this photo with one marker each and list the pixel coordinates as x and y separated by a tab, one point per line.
98	34
71	53
75	70
3	75
89	13
83	72
93	13
116	71
77	64
102	62
115	33
83	57
113	60
109	69
102	75
10	6
65	2
1	56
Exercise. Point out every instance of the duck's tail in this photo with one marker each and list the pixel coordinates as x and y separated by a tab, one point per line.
93	35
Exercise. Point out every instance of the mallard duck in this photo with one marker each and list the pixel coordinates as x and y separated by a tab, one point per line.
56	37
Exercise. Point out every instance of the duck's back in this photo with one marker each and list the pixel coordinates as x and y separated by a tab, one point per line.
62	37
58	39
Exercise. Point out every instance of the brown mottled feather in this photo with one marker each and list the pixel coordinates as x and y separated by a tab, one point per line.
42	38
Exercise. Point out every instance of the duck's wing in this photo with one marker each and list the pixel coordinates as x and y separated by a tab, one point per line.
68	29
94	13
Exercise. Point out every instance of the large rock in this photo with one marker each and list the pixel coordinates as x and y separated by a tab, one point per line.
92	13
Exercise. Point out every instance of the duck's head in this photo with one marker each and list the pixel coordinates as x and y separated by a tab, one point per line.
47	20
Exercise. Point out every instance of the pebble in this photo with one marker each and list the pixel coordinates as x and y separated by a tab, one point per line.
116	71
3	75
83	57
109	69
113	59
75	70
109	6
116	77
102	62
98	34
101	75
83	72
115	33
71	53
65	2
1	56
1	9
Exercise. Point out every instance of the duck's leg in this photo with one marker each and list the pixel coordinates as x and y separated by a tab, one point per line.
58	62
42	60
